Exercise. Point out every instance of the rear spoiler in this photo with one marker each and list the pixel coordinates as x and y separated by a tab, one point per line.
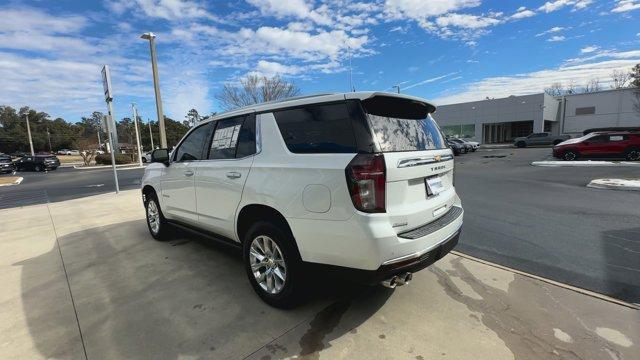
391	105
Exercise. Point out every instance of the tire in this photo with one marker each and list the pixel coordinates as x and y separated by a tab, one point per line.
37	168
283	281
570	155
521	144
632	154
156	222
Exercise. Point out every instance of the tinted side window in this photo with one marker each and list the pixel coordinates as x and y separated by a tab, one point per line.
247	138
193	146
599	139
324	128
225	138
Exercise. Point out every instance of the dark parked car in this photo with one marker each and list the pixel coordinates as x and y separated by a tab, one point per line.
543	138
468	147
37	163
6	166
613	144
456	148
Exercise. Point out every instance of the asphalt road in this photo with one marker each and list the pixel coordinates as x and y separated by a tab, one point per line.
64	184
546	221
543	221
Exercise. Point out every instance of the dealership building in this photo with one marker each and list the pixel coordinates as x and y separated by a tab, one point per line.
502	120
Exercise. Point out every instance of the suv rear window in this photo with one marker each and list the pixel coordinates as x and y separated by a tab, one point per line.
322	128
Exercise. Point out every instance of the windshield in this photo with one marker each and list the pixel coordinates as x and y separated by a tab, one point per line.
397	134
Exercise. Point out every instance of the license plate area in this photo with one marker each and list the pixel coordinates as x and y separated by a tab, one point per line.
434	185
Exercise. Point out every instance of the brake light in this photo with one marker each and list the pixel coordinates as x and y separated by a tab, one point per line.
366	179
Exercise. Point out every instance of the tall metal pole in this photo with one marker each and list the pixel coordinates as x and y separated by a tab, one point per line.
150	134
29	133
350	72
110	124
156	86
49	138
135	121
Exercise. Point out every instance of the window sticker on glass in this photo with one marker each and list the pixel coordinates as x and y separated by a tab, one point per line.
616	138
225	138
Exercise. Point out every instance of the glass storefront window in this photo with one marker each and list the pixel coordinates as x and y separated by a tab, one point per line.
459	131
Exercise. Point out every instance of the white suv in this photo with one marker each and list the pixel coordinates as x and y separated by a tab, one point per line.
360	183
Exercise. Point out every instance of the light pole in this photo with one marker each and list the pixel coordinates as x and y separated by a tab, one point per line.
397	87
156	85
135	122
29	133
150	134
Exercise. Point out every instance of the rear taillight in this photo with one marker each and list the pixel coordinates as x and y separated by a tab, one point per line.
366	179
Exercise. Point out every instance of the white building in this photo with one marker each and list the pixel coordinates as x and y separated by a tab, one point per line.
502	120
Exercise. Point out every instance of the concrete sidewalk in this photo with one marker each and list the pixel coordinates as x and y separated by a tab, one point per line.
83	279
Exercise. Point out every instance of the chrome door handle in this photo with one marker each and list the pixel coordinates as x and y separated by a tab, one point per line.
188	173
233	175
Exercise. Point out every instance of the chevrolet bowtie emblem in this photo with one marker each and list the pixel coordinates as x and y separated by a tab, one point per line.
437	158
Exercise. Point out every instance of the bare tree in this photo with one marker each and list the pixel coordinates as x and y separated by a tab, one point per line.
621	79
192	118
571	88
87	150
555	89
592	86
255	89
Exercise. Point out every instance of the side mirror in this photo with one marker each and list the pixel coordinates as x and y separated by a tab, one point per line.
160	156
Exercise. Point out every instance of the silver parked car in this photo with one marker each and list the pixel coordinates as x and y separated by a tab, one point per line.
543	138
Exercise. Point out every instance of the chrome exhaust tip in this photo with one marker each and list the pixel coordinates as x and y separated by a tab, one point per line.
407	278
397	280
390	283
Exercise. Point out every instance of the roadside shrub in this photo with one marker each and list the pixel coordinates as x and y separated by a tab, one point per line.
105	159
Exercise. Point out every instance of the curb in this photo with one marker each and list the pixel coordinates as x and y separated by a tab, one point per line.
615	184
124	166
17	182
587	163
551	282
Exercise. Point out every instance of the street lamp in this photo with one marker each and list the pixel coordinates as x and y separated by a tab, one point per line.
29	133
156	85
397	87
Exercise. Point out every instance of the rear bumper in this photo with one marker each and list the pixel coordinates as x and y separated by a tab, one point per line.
369	242
372	277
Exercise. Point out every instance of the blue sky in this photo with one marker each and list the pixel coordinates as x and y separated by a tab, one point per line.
51	52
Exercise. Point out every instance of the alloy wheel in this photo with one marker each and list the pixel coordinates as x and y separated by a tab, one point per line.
153	216
633	155
267	264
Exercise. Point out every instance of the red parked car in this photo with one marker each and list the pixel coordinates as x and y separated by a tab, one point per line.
610	144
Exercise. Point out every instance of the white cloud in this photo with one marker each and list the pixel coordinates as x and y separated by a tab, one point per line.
419	9
297	8
551	6
606	54
626	5
522	13
554	29
465	21
270	68
556	38
588	49
535	82
172	10
427	81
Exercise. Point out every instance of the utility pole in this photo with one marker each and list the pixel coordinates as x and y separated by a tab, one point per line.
135	122
99	141
156	86
150	134
351	87
49	138
29	133
111	124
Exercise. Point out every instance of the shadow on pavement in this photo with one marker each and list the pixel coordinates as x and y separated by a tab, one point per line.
188	297
621	249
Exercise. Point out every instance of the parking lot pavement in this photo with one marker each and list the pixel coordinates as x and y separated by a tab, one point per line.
110	291
546	221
